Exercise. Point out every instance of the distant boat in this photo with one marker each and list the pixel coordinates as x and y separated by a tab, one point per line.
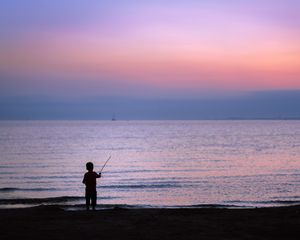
113	118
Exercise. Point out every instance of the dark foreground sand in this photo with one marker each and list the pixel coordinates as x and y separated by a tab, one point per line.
54	223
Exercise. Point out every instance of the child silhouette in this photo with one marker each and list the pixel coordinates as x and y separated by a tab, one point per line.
89	180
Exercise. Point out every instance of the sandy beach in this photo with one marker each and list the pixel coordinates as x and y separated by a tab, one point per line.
51	222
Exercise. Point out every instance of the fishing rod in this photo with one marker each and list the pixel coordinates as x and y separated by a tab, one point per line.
105	164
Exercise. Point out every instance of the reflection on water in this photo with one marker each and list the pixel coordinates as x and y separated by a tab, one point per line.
158	163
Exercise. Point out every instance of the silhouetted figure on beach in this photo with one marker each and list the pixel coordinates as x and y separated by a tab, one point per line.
90	186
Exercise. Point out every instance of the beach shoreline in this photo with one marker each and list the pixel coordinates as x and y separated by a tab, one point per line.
52	222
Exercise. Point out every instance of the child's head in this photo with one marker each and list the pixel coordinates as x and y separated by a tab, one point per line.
89	166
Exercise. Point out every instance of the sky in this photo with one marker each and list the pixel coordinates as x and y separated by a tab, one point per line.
159	59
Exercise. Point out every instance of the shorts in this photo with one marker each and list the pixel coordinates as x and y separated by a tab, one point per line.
91	197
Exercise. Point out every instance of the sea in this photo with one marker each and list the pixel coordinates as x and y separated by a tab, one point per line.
153	164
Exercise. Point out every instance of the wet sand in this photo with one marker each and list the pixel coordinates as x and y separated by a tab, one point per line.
51	222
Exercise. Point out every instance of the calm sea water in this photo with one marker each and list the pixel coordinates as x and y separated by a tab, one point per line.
153	164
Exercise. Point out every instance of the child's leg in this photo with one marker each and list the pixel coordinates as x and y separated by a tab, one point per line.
94	200
87	200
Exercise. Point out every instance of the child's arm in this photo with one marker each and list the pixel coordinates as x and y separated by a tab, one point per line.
83	181
98	175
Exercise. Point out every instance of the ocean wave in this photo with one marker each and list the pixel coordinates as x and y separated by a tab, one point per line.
208	206
51	200
8	189
281	202
144	186
46	177
267	202
147	206
29	189
39	200
77	203
127	186
77	207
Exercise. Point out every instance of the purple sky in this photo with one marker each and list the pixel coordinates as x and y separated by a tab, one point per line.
80	50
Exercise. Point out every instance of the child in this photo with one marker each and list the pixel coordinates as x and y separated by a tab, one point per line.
90	185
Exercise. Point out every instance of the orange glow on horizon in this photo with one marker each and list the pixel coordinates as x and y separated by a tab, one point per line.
244	63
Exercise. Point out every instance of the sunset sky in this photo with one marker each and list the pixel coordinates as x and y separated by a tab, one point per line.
131	56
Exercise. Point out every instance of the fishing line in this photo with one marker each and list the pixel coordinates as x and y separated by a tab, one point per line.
105	164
